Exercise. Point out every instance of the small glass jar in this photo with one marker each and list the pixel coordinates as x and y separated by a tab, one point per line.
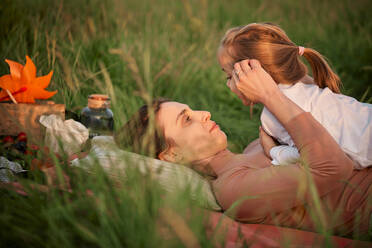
97	116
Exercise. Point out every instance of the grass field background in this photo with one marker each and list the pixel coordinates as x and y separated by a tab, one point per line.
132	49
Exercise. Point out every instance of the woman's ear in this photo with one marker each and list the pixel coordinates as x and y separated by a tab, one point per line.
170	155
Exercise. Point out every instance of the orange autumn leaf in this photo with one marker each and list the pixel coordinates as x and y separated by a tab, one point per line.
15	69
23	83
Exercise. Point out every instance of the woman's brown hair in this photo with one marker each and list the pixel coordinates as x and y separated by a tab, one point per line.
139	135
278	55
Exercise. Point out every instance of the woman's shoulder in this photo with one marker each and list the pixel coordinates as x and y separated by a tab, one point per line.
254	146
253	156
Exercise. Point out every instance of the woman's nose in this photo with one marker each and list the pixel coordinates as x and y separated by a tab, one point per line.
206	116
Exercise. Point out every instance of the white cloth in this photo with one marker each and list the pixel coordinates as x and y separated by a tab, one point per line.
347	120
68	136
284	155
8	169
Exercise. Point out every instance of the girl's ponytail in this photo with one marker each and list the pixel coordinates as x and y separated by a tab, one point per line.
322	72
278	55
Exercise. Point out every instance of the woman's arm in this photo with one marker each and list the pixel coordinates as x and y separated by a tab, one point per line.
263	192
271	190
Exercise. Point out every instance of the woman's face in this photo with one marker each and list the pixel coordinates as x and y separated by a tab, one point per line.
193	134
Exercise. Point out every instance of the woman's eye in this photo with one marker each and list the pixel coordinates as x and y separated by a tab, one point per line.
188	118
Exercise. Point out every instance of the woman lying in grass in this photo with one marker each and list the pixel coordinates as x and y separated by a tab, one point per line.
322	193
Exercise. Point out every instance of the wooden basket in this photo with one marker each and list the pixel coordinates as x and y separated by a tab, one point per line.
24	117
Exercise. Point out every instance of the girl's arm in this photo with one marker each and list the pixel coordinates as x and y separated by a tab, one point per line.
279	154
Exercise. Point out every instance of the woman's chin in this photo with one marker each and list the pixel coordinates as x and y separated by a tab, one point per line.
221	142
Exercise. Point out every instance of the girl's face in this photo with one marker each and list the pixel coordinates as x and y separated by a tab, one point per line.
194	135
226	63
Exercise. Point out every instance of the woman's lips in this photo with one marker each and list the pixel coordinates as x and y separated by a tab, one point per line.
214	126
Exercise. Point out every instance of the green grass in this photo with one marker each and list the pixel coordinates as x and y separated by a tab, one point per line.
168	47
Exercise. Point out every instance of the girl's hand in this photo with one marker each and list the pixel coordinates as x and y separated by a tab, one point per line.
267	142
252	81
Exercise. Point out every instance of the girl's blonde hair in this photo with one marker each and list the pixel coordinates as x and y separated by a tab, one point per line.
278	55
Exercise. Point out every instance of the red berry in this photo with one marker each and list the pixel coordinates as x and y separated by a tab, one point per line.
8	139
22	137
28	152
46	149
35	164
33	147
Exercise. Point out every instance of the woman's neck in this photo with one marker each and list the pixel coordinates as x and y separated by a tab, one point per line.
216	163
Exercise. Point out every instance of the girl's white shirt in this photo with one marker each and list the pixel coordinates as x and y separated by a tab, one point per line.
347	120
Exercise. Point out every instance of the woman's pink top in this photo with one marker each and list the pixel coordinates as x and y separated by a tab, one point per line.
287	195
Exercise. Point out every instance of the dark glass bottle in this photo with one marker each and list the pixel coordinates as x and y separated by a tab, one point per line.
97	116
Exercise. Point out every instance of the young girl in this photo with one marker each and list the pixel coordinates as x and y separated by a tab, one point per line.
347	120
